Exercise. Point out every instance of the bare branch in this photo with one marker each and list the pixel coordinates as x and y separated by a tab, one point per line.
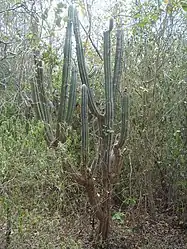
14	7
96	49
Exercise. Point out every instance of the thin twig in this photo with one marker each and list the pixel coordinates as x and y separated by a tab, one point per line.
14	7
96	49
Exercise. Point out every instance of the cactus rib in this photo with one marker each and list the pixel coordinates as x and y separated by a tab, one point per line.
72	95
39	96
84	120
66	72
118	62
124	117
109	115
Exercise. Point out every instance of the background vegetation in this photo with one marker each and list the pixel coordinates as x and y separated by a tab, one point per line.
41	207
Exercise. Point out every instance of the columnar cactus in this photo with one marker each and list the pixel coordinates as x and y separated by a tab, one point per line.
72	96
109	159
41	103
109	102
107	162
124	120
62	113
67	101
84	120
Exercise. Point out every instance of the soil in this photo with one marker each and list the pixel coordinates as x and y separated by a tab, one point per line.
163	232
134	232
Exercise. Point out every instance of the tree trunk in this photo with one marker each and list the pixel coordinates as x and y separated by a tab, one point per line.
104	226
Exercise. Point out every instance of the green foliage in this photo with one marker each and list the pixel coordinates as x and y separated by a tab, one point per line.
5	71
184	4
34	184
50	57
119	217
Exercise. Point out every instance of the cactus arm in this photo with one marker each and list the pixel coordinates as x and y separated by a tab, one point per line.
41	91
118	62
65	73
82	67
84	131
39	96
107	68
37	89
72	96
36	102
124	116
38	92
66	65
109	115
111	24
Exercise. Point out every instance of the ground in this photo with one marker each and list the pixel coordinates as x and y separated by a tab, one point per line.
34	230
